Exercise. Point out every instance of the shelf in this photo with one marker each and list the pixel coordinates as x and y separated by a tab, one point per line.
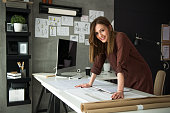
18	10
28	101
18	57
6	1
23	80
63	10
18	33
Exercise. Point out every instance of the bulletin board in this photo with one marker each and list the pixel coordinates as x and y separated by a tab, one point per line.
165	42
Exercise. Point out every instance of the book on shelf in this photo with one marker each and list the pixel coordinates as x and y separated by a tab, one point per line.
13	75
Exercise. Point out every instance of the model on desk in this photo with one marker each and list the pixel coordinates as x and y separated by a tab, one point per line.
131	68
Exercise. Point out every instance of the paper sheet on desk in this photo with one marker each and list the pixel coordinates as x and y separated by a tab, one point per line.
70	84
88	94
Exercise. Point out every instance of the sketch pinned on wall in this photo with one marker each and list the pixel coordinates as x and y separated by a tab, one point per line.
87	42
81	38
84	18
63	31
81	27
94	14
53	30
54	21
41	27
66	20
74	38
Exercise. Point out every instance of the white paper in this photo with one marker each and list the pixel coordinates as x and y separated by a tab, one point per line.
165	51
63	31
41	28
87	42
74	38
54	21
81	27
53	31
94	14
81	38
66	20
84	18
166	33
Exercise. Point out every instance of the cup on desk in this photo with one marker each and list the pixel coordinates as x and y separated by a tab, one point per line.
88	71
23	73
106	67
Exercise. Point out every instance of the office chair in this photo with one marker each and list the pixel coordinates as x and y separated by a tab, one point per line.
159	82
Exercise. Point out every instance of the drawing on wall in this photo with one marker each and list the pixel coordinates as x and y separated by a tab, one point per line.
87	42
41	28
53	30
74	38
81	38
84	18
63	31
94	14
165	51
54	21
68	21
81	27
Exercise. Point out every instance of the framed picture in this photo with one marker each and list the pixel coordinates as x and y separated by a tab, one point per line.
10	27
24	28
23	48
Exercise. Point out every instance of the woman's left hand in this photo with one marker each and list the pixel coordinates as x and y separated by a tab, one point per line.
118	95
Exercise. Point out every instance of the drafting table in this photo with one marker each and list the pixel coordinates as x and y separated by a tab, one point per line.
60	89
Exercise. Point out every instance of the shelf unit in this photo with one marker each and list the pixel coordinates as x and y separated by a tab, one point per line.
13	56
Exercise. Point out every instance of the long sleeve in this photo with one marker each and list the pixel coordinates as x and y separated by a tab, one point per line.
123	51
98	64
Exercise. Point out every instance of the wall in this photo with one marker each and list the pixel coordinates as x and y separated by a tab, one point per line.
144	18
44	50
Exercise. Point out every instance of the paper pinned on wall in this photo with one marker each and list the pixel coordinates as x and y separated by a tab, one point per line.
87	42
166	31
63	31
66	20
53	31
81	27
41	27
84	18
54	21
81	38
74	38
94	14
165	51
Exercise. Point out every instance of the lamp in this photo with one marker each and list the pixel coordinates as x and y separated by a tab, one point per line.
59	10
136	42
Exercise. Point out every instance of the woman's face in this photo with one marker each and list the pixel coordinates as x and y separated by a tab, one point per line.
102	32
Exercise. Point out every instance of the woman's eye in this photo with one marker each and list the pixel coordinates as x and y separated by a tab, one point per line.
102	30
96	33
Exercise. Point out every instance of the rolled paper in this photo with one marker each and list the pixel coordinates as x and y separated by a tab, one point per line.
129	108
124	102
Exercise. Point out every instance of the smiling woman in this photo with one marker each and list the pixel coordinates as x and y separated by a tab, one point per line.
130	67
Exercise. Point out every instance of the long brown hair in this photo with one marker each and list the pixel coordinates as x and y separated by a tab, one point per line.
96	46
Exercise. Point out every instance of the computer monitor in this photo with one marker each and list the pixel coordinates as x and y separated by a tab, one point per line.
66	55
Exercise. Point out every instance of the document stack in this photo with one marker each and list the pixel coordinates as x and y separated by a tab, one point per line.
13	75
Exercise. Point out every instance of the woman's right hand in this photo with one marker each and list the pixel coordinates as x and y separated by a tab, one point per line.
84	85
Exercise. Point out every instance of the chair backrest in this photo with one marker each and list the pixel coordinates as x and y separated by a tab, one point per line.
159	82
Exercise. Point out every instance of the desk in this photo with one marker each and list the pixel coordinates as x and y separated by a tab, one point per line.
74	102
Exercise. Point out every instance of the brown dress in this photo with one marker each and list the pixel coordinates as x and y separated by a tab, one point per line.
127	60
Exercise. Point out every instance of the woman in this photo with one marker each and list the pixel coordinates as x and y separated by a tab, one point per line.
131	69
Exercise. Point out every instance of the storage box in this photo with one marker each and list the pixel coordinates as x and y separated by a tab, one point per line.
16	95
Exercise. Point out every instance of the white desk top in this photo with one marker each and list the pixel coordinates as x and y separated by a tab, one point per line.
74	101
